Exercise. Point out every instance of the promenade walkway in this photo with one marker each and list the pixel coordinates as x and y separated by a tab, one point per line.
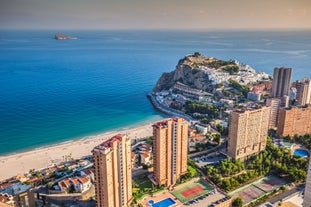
168	110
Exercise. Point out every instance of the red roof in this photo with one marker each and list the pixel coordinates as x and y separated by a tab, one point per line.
67	182
83	179
62	184
75	180
164	122
108	143
190	130
33	179
5	185
145	155
87	171
4	198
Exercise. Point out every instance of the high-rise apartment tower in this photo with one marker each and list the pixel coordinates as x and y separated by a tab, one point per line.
113	175
248	131
303	95
170	150
281	82
294	120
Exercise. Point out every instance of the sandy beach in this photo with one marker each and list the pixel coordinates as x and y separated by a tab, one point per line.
15	164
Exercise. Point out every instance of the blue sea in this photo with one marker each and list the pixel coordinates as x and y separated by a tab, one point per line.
53	91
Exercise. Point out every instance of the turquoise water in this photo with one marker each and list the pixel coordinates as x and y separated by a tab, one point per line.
301	152
53	91
167	202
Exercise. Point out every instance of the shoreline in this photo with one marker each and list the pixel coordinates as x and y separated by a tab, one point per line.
88	136
42	157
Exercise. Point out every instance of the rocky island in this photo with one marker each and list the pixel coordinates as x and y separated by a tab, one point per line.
204	87
60	36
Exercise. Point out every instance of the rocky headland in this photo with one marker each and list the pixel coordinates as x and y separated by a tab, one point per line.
203	87
204	73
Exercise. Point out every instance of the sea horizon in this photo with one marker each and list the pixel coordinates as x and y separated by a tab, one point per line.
60	90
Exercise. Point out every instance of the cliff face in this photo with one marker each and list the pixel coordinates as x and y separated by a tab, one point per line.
184	73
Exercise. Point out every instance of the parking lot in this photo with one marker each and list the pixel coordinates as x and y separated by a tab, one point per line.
210	199
210	159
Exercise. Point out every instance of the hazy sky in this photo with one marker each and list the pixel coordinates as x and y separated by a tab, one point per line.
153	14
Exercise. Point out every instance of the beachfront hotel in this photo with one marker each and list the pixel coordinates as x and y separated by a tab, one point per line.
248	131
113	175
294	120
281	82
307	193
170	150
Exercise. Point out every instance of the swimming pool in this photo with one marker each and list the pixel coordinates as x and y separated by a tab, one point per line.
167	202
301	152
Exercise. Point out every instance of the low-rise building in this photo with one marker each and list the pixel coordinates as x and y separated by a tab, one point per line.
80	184
254	96
145	158
134	160
22	177
64	185
204	129
18	195
88	172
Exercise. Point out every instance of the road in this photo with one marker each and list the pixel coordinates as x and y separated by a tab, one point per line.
282	196
138	172
168	110
215	149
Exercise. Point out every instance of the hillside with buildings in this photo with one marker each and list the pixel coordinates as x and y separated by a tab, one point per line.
205	87
204	73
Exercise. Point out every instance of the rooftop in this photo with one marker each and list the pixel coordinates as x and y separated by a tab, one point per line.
75	181
16	189
298	107
83	179
164	122
87	171
108	143
145	155
250	108
4	198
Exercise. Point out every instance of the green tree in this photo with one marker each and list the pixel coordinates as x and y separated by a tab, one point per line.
192	171
226	184
50	185
71	189
217	138
149	140
196	54
238	202
220	128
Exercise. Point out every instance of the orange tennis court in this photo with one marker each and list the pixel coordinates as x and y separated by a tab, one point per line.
192	191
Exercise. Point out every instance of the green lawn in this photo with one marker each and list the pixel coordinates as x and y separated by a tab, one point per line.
143	186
